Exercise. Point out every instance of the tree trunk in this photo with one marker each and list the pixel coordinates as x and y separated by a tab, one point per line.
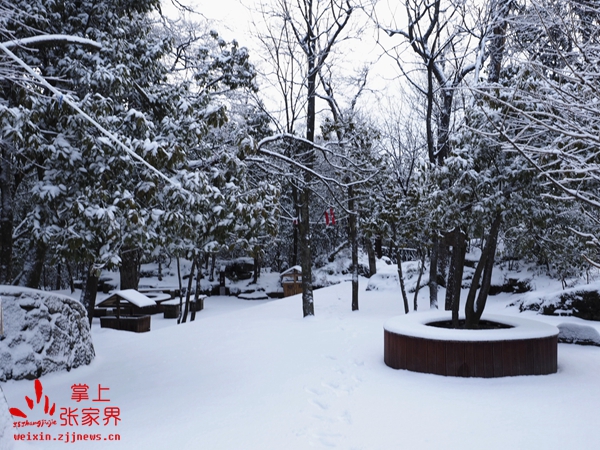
128	270
213	262
256	266
371	256
308	160
58	281
70	273
198	306
457	239
88	296
6	218
433	285
189	291
485	265
295	226
353	238
378	247
180	289
33	273
308	308
450	280
418	287
402	288
500	10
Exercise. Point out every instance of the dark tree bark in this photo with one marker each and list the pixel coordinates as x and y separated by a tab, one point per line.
58	284
402	287
457	239
433	274
256	273
189	291
378	247
129	269
371	256
199	306
180	289
33	273
90	291
500	10
71	282
6	217
295	226
418	287
353	238
213	263
308	308
474	310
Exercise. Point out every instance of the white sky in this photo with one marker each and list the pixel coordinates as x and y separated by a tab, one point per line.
233	19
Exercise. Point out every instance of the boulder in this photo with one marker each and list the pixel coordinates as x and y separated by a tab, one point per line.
43	333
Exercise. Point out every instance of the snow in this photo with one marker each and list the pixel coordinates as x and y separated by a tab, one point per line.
292	269
256	375
134	297
578	334
415	325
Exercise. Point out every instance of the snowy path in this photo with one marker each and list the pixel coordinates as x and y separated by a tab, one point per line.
255	375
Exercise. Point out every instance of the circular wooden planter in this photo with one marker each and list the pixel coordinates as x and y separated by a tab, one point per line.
529	347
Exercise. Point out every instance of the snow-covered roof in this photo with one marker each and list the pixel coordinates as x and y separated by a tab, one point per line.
292	269
132	296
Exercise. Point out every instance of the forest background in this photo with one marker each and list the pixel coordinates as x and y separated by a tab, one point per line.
130	136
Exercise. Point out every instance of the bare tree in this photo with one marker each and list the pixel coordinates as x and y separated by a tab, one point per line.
314	27
445	40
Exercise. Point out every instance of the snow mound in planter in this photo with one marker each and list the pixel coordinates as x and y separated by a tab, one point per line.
43	333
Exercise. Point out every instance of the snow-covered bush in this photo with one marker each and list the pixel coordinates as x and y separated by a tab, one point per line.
42	333
581	301
572	333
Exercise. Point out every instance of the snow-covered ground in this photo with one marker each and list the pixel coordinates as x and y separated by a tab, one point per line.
256	375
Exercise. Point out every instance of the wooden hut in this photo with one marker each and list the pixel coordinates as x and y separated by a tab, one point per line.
291	280
129	310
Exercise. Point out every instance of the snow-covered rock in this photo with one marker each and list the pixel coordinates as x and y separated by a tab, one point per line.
43	333
581	301
572	333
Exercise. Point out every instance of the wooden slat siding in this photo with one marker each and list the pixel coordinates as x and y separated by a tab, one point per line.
411	354
497	359
468	369
471	359
139	324
452	357
521	357
553	354
538	358
390	354
478	360
433	350
529	364
421	354
441	355
508	359
488	352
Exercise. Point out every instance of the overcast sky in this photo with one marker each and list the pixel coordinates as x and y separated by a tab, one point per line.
233	19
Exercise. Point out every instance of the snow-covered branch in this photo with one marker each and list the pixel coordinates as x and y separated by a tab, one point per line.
54	39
